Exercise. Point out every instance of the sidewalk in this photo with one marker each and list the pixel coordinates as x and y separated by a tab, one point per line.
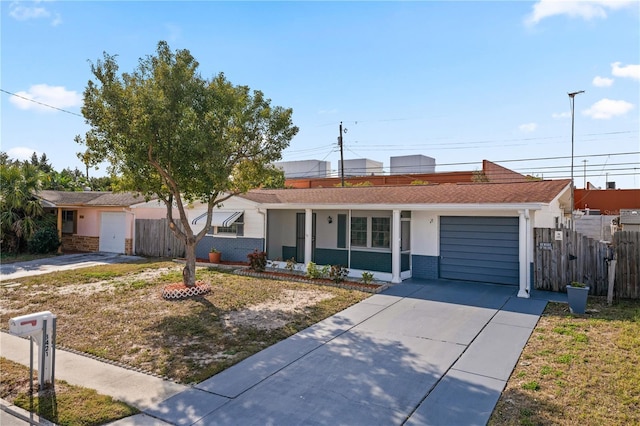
418	353
137	389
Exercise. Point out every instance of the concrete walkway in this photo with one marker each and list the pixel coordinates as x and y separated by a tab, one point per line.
434	352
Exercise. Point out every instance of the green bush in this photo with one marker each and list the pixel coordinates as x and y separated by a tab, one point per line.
367	277
44	240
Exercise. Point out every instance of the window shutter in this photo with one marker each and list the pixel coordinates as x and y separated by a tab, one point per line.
342	231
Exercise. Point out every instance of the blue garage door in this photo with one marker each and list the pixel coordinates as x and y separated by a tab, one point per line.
479	249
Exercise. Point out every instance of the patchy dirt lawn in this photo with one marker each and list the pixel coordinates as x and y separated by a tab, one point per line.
116	312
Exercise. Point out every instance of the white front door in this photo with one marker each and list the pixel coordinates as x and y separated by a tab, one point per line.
112	232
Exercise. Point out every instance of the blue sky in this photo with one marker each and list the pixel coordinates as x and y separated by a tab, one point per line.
457	81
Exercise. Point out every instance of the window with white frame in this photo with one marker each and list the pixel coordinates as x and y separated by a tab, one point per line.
359	231
380	232
373	232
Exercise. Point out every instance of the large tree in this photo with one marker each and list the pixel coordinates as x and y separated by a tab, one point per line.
172	134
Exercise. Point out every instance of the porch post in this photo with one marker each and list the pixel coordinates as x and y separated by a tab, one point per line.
308	235
395	247
59	225
523	253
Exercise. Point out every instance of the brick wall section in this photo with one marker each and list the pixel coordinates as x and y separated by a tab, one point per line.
80	243
425	267
128	246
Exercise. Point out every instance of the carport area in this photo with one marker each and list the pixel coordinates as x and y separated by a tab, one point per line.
422	352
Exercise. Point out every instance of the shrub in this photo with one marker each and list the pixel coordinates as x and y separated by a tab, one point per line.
312	270
44	240
367	277
257	260
338	273
291	265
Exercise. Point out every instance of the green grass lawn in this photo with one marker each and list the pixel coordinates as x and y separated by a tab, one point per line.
577	369
65	405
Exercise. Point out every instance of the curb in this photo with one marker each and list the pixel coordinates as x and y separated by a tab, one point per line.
24	415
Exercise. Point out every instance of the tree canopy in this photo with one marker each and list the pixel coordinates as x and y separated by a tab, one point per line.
172	134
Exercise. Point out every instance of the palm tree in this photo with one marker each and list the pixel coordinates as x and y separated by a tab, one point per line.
21	212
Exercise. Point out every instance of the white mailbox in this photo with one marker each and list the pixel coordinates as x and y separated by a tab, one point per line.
29	325
41	328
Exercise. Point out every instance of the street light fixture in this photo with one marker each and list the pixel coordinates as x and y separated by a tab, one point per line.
572	96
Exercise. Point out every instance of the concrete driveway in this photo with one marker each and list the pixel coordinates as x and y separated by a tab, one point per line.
437	352
60	263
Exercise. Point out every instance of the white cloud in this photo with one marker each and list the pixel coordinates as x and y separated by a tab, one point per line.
559	115
586	10
22	153
23	11
602	81
55	96
631	71
528	127
605	109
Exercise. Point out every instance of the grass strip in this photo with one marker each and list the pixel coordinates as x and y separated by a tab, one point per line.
65	404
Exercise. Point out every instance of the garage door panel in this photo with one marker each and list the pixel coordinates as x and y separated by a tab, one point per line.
490	263
477	246
485	236
480	249
112	232
492	278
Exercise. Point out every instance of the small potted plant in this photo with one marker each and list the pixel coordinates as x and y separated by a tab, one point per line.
577	293
214	255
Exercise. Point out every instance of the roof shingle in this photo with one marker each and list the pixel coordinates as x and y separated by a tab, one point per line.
468	193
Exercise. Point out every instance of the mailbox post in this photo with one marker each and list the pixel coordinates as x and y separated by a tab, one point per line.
41	328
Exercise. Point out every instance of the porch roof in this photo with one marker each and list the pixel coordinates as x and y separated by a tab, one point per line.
534	192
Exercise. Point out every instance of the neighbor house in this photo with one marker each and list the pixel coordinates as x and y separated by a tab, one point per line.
471	231
90	221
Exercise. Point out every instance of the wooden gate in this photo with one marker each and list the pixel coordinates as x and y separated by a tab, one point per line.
155	239
627	246
562	256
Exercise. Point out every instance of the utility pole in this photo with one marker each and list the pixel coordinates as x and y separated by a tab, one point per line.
572	96
341	156
584	162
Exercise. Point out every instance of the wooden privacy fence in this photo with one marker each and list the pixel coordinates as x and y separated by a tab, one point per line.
627	246
562	256
155	239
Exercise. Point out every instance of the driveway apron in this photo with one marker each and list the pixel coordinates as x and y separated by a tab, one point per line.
434	352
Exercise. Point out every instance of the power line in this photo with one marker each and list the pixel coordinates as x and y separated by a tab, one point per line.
40	103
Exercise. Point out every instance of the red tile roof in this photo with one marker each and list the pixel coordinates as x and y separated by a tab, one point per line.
467	193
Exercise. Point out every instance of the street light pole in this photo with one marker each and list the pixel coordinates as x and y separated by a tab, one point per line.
572	96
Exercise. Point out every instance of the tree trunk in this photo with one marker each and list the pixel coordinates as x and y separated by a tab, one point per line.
189	271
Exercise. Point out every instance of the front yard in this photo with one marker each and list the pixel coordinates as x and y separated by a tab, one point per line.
116	312
575	369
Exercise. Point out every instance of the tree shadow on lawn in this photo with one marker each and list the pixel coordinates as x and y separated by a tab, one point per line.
202	343
329	373
519	407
